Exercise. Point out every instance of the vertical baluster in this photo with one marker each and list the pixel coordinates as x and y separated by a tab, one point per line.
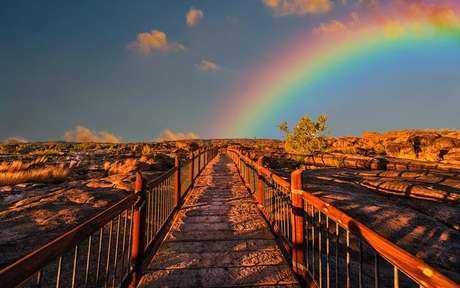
109	246
99	252
376	269
192	169
158	207
155	211
360	264
307	234
328	256
161	209
162	203
283	213
348	257
171	197
313	218
39	278
260	184
337	239
320	250
123	250
151	216
288	219
74	269
272	201
177	179
166	200
395	277
116	251
58	274
147	207
273	191
277	200
130	240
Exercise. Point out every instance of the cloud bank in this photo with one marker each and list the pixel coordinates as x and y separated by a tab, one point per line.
14	140
399	18
168	135
83	135
147	42
298	7
193	17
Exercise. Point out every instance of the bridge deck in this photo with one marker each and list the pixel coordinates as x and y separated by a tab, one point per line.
219	239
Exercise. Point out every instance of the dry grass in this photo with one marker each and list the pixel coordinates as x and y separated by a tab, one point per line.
121	167
16	166
49	174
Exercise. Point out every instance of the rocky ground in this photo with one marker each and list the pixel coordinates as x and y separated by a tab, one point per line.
31	214
403	184
408	190
429	229
431	145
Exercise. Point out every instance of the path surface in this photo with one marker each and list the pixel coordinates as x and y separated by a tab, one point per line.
219	239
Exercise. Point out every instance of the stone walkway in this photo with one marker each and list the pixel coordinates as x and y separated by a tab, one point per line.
219	239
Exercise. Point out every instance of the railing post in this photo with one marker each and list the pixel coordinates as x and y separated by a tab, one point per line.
192	168
177	180
260	181
297	220
138	231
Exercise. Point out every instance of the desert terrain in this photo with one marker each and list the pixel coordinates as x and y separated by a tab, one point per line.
403	184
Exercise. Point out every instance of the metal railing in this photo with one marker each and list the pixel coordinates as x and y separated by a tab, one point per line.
109	249
327	247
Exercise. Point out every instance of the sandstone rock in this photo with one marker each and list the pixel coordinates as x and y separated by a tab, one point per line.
431	145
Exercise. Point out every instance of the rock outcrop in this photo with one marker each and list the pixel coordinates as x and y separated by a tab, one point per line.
431	145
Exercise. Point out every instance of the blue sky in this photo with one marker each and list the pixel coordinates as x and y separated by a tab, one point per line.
69	63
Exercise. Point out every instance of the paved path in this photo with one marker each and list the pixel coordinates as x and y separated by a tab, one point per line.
219	239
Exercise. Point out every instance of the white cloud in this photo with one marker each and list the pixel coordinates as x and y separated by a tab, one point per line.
193	16
82	134
298	7
168	135
334	26
14	140
208	66
147	42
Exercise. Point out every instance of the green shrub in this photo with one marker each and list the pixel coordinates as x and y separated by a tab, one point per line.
307	137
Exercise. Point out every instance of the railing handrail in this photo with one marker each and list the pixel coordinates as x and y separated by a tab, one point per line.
412	266
16	272
23	268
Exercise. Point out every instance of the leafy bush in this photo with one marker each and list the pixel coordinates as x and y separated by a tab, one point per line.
307	137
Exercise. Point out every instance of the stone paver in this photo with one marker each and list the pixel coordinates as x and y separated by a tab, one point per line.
219	239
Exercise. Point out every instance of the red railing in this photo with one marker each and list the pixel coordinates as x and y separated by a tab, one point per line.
110	248
328	248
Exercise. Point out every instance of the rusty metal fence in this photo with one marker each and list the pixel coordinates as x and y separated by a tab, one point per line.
109	249
327	247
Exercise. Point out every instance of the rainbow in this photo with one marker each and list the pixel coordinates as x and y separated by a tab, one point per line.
313	57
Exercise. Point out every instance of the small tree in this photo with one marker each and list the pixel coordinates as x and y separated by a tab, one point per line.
307	137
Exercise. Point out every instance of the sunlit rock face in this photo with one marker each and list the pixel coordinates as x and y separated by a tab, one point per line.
431	145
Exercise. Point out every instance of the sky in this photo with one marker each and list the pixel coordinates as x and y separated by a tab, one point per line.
145	70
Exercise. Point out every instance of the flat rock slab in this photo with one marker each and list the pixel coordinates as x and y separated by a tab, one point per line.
219	239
